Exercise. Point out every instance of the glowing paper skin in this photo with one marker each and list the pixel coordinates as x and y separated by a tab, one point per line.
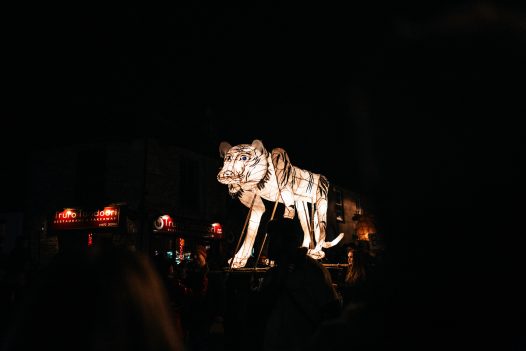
252	173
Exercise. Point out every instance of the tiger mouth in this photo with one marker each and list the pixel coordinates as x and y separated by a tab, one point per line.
229	180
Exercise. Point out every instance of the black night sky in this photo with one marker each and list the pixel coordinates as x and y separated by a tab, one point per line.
416	107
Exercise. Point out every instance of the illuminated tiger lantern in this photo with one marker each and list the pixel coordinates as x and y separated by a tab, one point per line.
252	173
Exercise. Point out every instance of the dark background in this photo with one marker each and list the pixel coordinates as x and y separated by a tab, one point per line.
416	107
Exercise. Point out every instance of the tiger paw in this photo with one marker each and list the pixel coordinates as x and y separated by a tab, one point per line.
238	262
316	254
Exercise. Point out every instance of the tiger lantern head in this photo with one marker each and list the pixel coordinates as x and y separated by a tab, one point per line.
244	166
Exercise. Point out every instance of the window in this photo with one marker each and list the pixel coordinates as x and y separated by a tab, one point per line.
339	206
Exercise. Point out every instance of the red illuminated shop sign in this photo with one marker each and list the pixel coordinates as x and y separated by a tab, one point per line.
71	218
167	224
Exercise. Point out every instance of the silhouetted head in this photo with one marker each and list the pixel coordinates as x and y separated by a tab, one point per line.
285	236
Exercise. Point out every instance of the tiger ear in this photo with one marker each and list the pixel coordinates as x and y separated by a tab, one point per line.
223	148
258	144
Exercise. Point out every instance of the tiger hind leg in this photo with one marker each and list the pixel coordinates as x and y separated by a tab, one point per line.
320	223
304	217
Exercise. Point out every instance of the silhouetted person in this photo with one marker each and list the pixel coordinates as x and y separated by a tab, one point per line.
196	309
17	270
359	327
174	286
109	299
297	293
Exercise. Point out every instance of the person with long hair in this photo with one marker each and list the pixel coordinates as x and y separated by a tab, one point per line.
355	287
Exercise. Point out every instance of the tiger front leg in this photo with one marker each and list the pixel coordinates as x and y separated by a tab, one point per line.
245	251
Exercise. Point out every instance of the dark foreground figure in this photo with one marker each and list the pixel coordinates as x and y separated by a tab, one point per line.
109	299
293	298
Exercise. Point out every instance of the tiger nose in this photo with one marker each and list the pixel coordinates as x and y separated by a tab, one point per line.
225	174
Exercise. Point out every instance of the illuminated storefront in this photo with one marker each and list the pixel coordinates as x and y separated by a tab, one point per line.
79	229
176	238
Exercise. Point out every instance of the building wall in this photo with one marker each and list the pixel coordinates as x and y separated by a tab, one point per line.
149	177
183	183
11	227
341	222
124	172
